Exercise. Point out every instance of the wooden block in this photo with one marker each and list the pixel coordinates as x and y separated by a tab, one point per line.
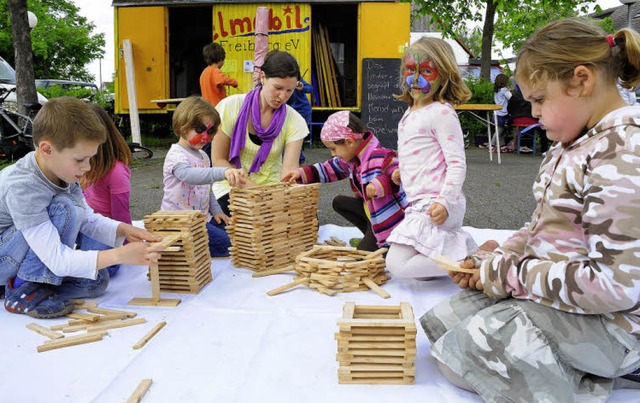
149	335
451	264
140	391
375	288
152	302
44	331
285	287
83	316
116	324
107	311
263	273
71	341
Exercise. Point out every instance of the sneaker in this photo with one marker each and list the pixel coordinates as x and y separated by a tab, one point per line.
36	300
525	149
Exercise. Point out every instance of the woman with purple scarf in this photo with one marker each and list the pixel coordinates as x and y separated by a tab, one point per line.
257	127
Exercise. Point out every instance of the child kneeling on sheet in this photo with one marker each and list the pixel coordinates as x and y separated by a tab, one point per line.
554	314
43	214
378	205
188	175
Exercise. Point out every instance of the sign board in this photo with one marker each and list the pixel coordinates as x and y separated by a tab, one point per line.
381	113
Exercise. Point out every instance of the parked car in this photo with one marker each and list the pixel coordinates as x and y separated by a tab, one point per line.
65	84
8	81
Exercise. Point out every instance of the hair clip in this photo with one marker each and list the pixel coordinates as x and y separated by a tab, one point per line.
611	40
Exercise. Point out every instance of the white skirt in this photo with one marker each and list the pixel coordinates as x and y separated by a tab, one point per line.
418	231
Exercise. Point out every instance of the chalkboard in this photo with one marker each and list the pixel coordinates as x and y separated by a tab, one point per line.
380	111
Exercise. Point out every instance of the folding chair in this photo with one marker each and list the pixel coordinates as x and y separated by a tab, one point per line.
520	123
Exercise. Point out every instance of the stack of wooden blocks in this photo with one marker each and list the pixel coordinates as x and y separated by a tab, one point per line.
272	224
376	344
188	269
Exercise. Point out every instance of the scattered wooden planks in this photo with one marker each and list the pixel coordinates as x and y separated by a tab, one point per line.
149	335
376	344
140	391
94	324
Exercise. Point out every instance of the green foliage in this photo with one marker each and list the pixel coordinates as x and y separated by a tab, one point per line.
473	39
63	42
514	26
481	89
56	91
482	93
515	21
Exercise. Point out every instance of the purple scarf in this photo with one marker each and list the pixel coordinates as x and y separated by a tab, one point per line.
251	108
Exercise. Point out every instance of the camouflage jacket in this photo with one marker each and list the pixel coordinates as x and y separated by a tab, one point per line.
581	251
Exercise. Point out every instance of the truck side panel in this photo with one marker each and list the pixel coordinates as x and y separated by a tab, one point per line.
381	35
234	29
146	28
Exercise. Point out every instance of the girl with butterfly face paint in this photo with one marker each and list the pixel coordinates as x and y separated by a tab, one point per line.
432	164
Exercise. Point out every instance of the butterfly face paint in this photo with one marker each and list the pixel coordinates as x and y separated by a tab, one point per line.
421	75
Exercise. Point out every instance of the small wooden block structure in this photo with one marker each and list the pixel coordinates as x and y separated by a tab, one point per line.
334	269
376	344
272	224
187	270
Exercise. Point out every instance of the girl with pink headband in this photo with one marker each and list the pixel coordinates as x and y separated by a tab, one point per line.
378	204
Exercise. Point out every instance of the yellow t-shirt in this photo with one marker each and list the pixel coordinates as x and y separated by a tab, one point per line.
294	128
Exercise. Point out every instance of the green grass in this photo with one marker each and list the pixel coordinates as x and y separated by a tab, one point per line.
5	163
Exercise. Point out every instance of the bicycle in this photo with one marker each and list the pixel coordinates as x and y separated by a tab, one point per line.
139	152
16	129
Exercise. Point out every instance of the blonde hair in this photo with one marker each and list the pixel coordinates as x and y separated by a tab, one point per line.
115	148
555	50
189	114
453	89
66	120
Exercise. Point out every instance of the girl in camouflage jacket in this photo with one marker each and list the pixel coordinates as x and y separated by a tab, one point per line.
554	313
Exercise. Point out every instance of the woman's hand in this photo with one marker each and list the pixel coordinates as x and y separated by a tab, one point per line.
220	217
438	213
291	176
235	176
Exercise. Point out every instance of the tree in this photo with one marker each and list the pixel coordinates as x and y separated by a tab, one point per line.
453	17
513	28
63	42
25	79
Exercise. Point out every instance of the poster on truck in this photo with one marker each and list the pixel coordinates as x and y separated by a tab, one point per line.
234	29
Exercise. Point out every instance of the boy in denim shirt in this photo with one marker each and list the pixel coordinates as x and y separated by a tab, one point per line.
43	214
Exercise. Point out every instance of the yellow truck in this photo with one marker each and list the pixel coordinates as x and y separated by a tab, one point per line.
167	37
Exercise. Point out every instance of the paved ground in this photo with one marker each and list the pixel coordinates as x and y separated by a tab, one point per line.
498	196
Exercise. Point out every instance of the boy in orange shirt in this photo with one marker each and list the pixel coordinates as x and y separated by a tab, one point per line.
212	79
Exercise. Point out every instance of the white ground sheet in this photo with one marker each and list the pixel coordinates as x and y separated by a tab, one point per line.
229	343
